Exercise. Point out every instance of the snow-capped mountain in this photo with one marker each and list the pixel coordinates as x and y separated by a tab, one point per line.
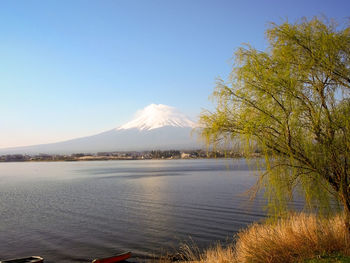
156	127
156	116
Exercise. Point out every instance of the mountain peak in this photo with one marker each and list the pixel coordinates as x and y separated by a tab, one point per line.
156	116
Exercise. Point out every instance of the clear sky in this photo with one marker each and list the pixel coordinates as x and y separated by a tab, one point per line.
75	68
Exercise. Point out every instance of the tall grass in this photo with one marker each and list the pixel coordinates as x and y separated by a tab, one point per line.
293	239
298	237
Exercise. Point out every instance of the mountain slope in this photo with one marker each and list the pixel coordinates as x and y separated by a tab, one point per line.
156	127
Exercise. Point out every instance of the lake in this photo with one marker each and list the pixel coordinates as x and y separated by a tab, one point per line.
77	211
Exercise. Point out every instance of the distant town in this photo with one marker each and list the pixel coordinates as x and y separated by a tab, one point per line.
134	155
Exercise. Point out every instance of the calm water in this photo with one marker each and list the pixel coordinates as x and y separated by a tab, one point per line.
77	211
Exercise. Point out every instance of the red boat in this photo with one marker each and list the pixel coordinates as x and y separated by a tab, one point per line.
33	259
113	259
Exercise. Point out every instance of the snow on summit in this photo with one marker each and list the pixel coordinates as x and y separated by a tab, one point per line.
156	116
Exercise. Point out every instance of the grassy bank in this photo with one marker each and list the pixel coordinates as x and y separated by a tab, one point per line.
299	238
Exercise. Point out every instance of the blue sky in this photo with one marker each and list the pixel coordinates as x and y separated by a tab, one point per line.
75	68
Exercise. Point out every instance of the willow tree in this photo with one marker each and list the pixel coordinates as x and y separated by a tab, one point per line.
292	102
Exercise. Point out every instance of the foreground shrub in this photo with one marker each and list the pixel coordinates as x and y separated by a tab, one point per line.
293	239
298	238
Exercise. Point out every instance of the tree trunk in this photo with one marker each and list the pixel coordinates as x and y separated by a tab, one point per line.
347	219
346	203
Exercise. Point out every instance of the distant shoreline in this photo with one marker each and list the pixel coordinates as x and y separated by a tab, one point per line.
124	156
111	159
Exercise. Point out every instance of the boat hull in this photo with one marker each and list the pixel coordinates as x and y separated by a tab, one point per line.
113	259
33	259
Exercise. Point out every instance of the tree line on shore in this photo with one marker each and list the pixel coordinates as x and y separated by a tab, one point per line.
127	155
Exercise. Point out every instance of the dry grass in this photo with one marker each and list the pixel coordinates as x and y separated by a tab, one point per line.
294	239
189	252
219	254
